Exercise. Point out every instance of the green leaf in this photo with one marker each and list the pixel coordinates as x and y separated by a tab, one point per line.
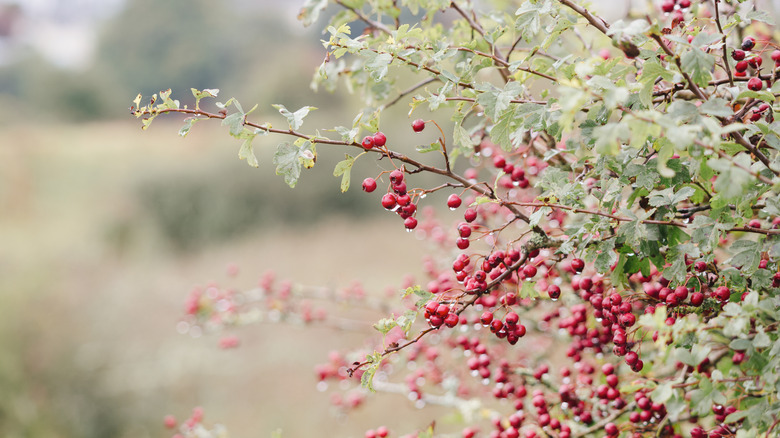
699	65
435	146
761	15
247	152
188	122
198	94
377	64
235	122
662	392
344	169
384	325
528	290
406	320
424	295
310	11
667	197
716	107
747	255
495	100
290	157
294	120
367	379
609	137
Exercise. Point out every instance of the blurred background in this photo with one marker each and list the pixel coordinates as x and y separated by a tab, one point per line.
104	228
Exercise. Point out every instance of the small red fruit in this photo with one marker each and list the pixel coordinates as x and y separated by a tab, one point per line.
389	201
470	215
368	142
396	177
578	265
737	55
380	139
410	223
748	43
453	201
418	125
667	6
741	66
369	185
755	61
755	84
529	271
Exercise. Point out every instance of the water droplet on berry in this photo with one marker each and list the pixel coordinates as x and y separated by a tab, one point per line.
453	209
553	299
409	230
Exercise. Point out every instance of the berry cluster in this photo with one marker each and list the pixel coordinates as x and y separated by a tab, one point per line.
675	8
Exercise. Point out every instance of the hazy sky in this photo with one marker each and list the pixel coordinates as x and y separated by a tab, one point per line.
65	31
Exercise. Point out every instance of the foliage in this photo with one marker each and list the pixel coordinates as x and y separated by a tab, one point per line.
620	209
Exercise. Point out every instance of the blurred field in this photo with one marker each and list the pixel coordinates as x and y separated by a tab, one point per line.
92	284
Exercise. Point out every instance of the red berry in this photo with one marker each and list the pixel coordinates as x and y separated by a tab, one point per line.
722	293
755	84
741	66
451	320
410	223
464	230
754	223
748	43
578	265
611	429
486	318
631	358
776	56
380	139
755	61
389	201
499	162
453	201
700	266
554	292
368	142
369	185
684	4
396	177
738	55
462	243
470	215
529	271
667	6
511	319
418	125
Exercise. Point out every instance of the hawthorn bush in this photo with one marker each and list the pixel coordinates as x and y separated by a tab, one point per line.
616	271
